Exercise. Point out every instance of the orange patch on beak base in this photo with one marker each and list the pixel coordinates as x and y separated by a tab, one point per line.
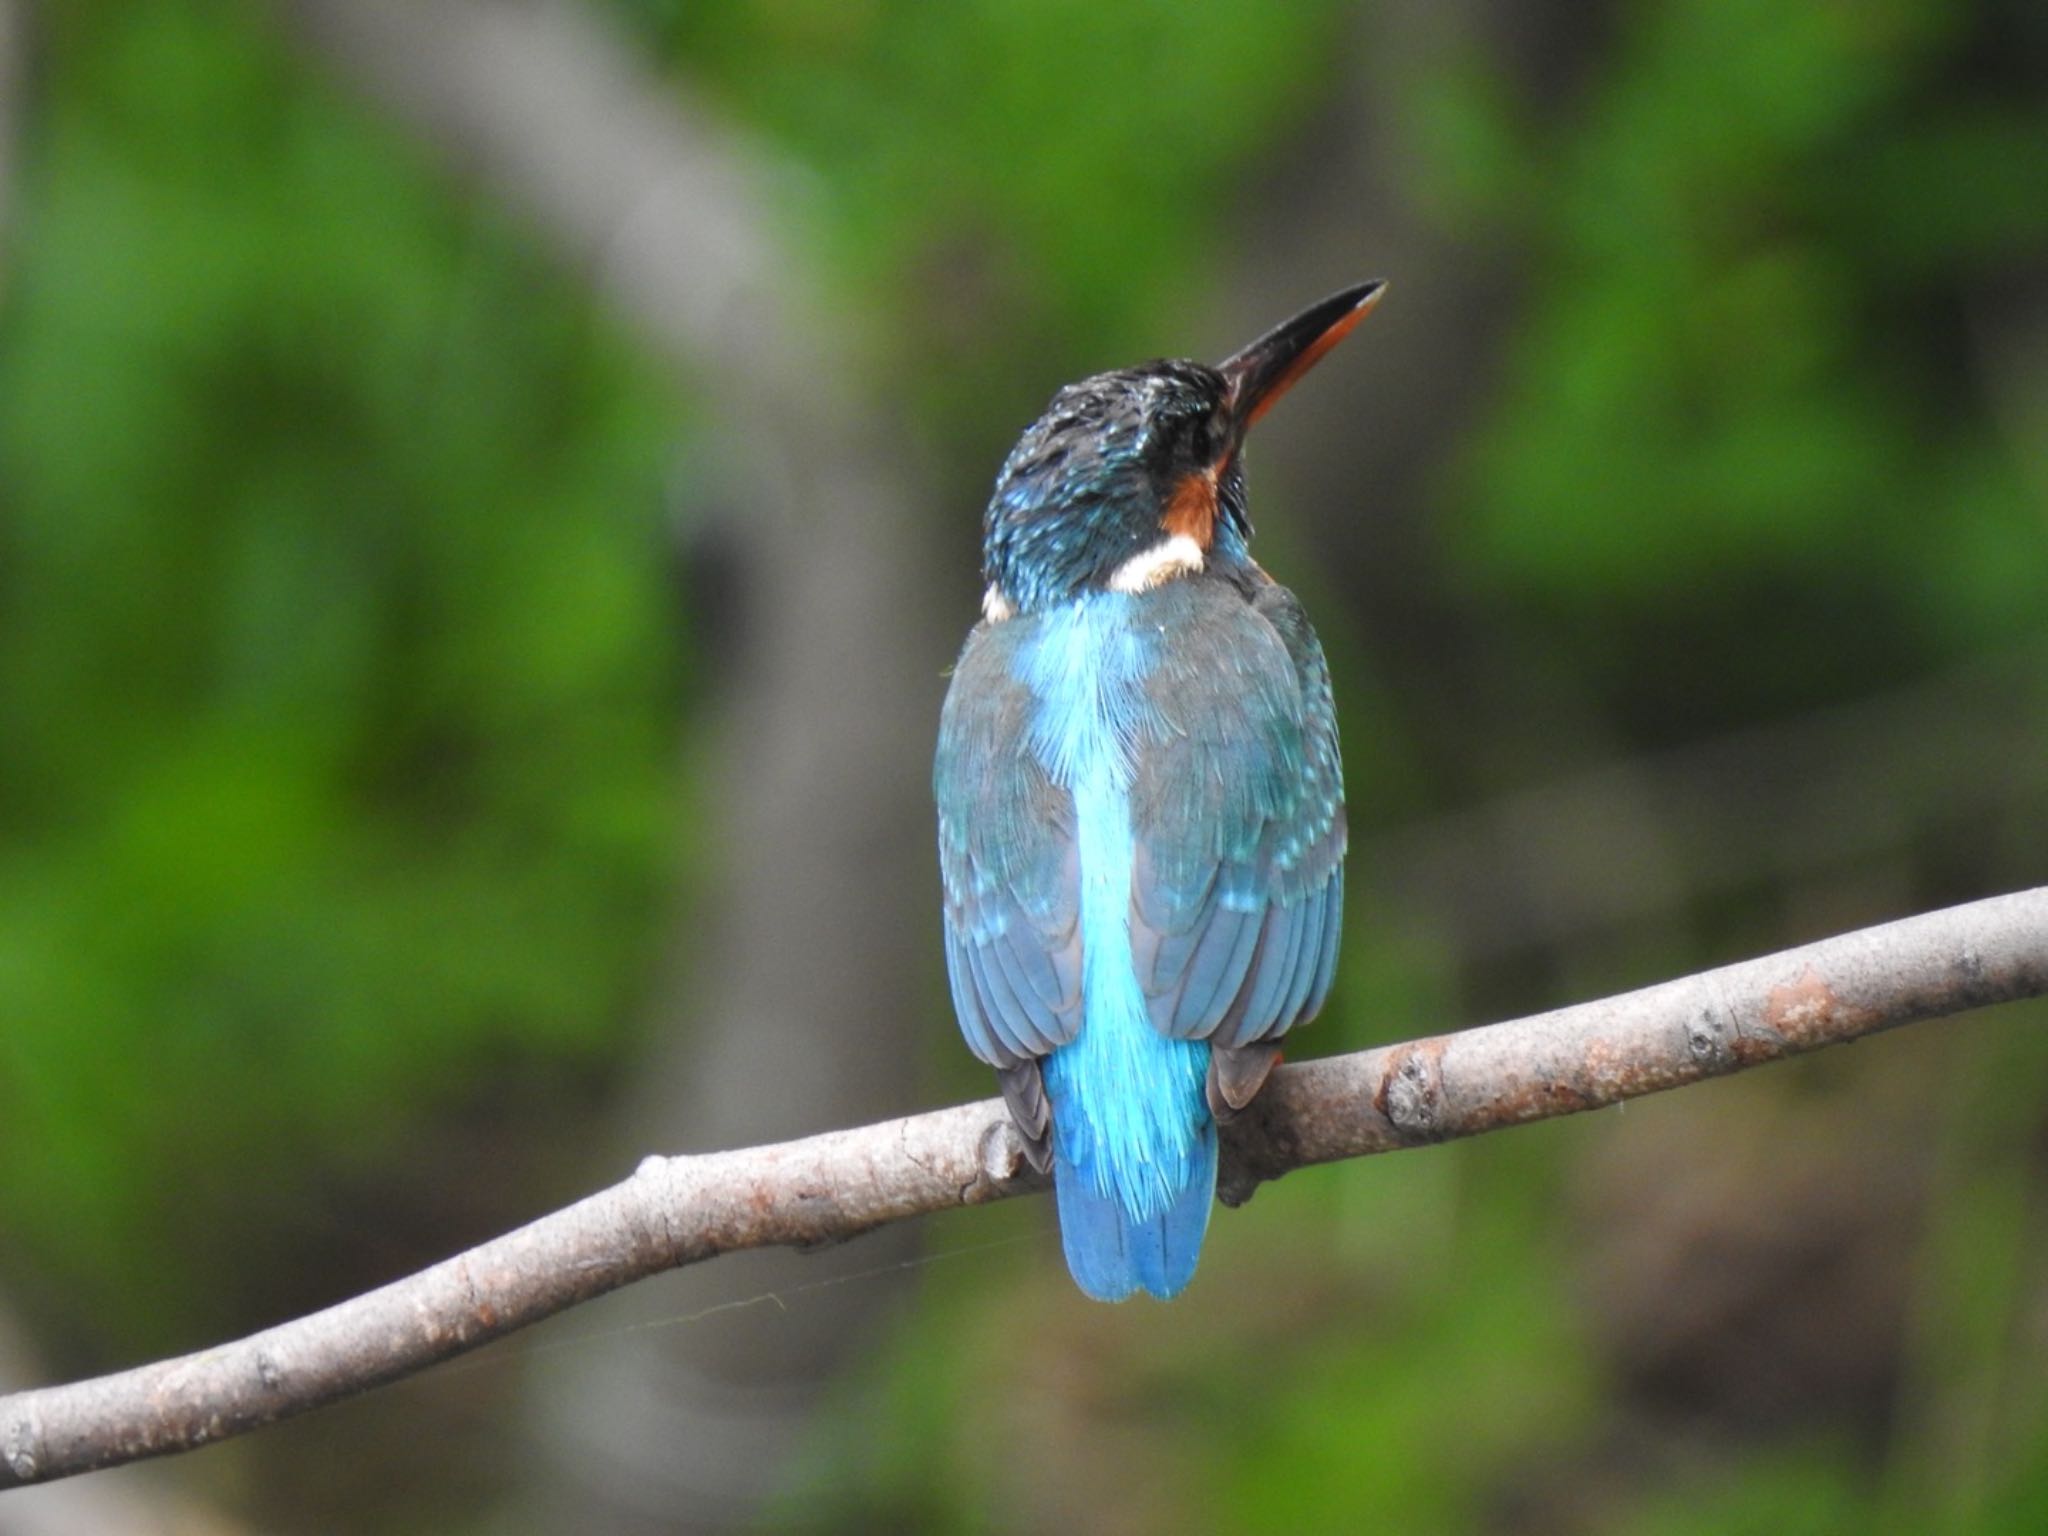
1310	356
1192	512
1270	366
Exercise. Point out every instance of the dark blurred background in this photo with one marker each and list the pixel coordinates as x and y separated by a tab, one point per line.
489	490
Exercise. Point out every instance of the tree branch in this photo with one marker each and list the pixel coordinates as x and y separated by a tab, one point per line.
681	1210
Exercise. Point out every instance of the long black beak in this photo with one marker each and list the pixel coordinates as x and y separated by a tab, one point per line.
1267	369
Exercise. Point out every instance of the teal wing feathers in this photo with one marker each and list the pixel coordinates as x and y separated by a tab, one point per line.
1010	870
1237	812
1239	817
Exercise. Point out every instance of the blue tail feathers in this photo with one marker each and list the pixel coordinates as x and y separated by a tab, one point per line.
1134	1149
1113	1252
1134	1154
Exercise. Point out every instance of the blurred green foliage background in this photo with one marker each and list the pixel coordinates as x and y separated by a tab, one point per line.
359	657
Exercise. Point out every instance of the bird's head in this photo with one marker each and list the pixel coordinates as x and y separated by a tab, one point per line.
1135	477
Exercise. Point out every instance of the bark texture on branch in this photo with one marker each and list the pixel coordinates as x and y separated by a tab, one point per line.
680	1210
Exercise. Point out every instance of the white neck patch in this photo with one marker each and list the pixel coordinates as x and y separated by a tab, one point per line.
1177	556
994	606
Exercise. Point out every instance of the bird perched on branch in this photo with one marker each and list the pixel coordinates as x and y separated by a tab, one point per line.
1141	807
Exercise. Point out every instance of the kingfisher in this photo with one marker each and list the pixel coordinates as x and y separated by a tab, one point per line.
1140	799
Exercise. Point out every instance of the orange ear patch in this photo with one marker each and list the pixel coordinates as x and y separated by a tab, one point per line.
1192	511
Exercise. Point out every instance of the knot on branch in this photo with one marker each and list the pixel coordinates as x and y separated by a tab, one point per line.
1411	1093
1000	1157
1710	1036
17	1448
